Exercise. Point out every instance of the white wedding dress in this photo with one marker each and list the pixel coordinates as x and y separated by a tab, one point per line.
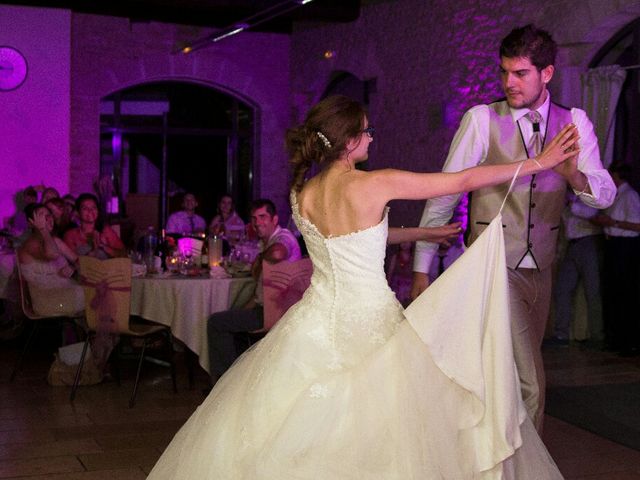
347	386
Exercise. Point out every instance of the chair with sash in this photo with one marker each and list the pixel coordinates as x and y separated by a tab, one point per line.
283	284
107	287
36	318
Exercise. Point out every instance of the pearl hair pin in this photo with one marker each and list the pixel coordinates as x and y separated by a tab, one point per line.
324	139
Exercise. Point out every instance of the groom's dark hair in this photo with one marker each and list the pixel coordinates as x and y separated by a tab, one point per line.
531	42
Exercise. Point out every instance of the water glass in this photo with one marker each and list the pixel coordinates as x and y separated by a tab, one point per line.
215	251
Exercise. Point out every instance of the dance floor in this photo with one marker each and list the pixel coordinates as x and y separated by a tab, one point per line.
43	436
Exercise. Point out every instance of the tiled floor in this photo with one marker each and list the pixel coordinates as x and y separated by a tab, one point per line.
43	436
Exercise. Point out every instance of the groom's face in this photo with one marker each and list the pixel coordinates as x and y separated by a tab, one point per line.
524	85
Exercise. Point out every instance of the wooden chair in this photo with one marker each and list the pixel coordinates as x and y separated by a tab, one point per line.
27	308
283	284
107	287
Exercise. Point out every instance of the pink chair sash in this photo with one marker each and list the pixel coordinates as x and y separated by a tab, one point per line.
104	303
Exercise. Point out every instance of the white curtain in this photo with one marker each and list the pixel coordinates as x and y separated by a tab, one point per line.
601	88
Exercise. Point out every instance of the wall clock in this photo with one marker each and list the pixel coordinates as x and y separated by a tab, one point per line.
13	68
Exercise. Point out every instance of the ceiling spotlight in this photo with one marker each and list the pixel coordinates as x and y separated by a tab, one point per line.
186	50
329	54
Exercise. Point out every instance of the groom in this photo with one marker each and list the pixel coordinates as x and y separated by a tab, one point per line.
507	131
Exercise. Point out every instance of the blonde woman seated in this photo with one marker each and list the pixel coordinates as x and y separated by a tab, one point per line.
47	264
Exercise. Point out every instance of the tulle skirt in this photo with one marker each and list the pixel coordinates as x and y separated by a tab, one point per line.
284	412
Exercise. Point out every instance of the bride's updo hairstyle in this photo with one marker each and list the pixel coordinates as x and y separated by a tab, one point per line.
323	136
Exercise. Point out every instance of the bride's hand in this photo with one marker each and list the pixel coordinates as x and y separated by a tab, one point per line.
441	234
563	146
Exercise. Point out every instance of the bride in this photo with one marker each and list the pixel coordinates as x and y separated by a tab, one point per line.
344	387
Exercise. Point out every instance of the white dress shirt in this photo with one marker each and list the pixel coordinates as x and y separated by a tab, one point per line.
182	222
469	148
575	219
625	208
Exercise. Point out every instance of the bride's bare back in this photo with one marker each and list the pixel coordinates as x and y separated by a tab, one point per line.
338	201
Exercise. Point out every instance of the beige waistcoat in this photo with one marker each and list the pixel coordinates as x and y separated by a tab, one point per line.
531	216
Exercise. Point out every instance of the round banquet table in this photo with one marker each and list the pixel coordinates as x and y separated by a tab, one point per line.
185	303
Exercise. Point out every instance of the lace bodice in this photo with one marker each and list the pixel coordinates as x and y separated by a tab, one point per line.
355	259
349	290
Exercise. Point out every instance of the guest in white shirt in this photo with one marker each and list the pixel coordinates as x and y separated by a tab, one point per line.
621	222
581	261
509	131
186	221
277	244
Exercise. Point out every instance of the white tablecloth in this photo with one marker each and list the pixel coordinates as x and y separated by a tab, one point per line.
185	303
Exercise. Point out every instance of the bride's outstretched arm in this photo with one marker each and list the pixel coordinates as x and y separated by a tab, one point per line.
398	184
428	234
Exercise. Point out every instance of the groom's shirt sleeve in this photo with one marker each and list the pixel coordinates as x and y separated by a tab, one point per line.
468	148
603	190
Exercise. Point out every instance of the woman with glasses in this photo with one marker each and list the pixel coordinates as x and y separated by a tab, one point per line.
343	387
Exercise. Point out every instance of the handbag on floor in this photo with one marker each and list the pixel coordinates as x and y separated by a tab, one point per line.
63	374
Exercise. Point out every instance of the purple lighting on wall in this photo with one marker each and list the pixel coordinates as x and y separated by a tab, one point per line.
476	41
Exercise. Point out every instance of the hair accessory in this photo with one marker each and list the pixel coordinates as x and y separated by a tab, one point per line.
324	139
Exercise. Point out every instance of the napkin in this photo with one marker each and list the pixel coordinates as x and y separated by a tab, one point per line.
138	270
218	272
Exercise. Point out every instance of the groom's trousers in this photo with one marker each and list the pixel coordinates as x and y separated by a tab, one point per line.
530	297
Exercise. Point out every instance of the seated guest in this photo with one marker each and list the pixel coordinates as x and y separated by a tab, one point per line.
47	194
18	224
93	237
47	265
186	221
70	206
277	244
61	218
227	222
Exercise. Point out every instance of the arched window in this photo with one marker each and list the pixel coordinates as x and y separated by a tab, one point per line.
200	138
